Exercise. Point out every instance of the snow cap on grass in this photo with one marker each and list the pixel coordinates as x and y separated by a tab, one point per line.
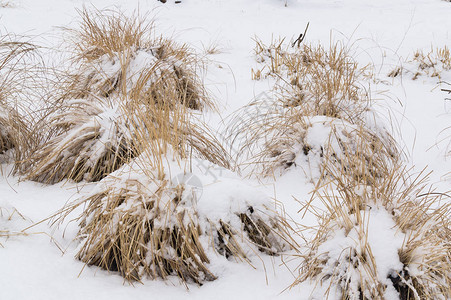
129	87
318	113
119	55
94	139
274	139
432	64
371	241
143	223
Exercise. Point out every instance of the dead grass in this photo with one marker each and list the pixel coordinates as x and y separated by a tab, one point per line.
143	225
8	214
315	87
422	260
120	55
13	86
129	87
432	63
271	140
93	141
324	81
138	222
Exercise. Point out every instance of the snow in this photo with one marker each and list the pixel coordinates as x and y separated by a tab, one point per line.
384	34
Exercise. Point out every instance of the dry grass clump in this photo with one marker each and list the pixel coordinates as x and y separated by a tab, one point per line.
432	64
324	81
380	241
120	55
271	140
144	224
128	88
93	141
318	111
144	229
425	253
13	75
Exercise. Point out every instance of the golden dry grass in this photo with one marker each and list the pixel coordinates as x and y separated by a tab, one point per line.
271	140
143	225
137	222
13	88
313	85
324	81
93	141
360	174
431	63
120	55
415	213
129	86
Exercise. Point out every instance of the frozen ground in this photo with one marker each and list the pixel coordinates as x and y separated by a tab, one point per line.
384	33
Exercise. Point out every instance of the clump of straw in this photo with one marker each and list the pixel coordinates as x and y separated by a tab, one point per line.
142	224
380	240
13	129
129	86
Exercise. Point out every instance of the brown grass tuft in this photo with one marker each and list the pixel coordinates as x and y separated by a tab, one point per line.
318	110
13	86
93	141
345	253
120	55
431	63
142	224
323	81
271	140
129	88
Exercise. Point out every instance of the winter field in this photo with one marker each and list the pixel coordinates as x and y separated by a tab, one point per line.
214	149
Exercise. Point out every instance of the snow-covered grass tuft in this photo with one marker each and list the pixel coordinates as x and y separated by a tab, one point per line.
92	140
273	139
118	55
317	113
380	241
323	81
128	88
432	64
425	252
145	224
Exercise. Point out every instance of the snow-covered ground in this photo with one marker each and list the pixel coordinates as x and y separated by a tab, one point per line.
384	34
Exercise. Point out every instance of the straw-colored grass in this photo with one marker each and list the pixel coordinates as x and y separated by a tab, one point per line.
318	110
141	224
94	140
271	140
13	75
117	54
345	254
143	229
128	87
9	213
432	63
144	225
324	81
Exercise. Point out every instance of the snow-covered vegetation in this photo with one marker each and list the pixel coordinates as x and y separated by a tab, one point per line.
233	149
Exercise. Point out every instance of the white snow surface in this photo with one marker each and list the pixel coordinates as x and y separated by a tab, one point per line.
384	33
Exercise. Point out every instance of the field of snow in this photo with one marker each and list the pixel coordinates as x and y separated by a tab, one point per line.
40	263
